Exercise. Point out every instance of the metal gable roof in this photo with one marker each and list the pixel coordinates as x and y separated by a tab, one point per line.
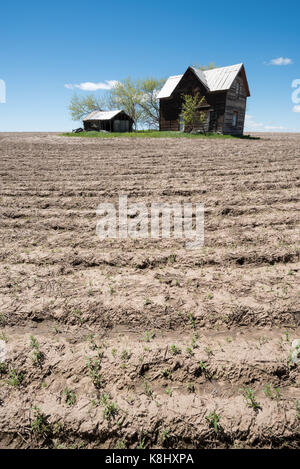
216	79
101	115
169	86
219	79
201	75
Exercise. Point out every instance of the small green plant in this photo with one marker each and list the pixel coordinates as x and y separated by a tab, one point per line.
2	320
149	335
56	329
121	444
287	336
40	424
168	391
194	342
166	374
125	355
15	378
70	397
142	444
58	428
3	337
213	420
290	359
202	366
77	315
172	258
3	368
250	398
272	392
175	350
94	367
164	434
192	320
203	369
110	408
33	342
147	388
37	354
208	351
190	351
263	340
190	387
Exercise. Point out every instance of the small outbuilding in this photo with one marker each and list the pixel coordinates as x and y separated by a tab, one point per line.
110	121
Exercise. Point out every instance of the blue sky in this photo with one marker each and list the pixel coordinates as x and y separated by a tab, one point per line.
46	45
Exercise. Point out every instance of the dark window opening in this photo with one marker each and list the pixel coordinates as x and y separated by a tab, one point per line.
234	119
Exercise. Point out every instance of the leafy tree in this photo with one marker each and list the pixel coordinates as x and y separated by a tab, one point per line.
210	66
82	105
138	98
149	103
126	95
191	113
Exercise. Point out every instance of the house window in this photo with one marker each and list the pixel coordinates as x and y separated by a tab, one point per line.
238	87
181	123
213	116
234	119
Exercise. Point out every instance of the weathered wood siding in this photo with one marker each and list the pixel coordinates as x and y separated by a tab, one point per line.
170	108
235	103
217	102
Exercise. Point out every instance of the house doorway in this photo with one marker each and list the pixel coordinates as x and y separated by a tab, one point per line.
213	121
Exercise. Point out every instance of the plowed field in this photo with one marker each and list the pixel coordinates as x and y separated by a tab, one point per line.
144	343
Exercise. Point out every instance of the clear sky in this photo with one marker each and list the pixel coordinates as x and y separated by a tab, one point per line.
47	45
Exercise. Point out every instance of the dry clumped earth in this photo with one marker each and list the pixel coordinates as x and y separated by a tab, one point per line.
143	343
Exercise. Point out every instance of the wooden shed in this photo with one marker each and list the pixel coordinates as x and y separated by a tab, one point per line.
225	91
110	121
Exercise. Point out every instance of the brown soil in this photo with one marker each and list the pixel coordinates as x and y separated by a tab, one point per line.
154	343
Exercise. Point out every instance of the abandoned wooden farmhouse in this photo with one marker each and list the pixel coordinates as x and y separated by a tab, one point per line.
225	91
110	121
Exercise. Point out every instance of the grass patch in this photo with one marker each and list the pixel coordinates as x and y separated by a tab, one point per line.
153	134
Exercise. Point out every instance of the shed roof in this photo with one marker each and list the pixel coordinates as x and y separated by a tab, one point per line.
216	79
101	115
